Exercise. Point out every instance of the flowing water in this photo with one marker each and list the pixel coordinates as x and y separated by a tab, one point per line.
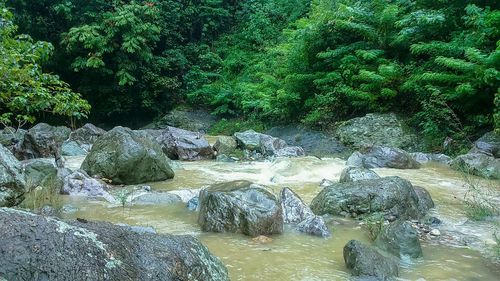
294	256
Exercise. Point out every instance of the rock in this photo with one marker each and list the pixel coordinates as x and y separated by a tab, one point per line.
389	196
156	198
186	194
191	120
325	182
36	170
435	232
425	201
184	145
352	174
139	229
43	140
86	135
11	138
48	211
224	159
290	151
225	145
261	143
12	181
193	204
72	148
79	183
400	239
382	157
424	158
313	142
295	211
366	261
376	129
314	225
127	157
57	250
240	206
488	144
478	164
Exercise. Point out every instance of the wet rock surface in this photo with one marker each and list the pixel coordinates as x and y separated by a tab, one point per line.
240	207
42	140
12	181
424	158
382	157
36	170
365	261
184	145
266	145
127	157
400	239
352	174
478	164
57	250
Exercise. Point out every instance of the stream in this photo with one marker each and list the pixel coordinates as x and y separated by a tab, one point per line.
460	253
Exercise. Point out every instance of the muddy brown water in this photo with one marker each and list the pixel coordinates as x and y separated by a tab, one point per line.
294	256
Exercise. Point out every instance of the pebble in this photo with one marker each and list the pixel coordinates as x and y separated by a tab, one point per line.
435	232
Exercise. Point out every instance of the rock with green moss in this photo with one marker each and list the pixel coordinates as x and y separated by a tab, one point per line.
127	157
225	145
391	196
352	174
36	170
376	129
58	250
240	207
400	239
12	181
365	261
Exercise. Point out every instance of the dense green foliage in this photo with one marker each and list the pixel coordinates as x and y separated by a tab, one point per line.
311	61
25	90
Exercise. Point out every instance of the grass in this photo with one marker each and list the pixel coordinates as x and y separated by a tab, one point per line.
374	225
479	199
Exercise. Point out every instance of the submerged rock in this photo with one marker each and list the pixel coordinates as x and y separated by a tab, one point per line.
127	157
382	157
389	196
488	144
240	206
43	140
352	174
478	164
295	211
400	239
12	182
376	129
366	261
184	145
57	250
313	142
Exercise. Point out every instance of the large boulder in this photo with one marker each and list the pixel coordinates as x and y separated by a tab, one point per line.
352	174
79	183
127	157
12	182
366	261
240	207
266	145
36	170
296	212
478	164
425	201
400	239
391	196
424	158
382	157
184	145
81	140
58	250
313	142
225	145
376	129
43	140
488	144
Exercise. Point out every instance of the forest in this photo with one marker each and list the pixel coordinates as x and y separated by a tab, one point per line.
315	62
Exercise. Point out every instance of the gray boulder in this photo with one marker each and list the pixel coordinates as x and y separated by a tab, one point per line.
314	225
313	142
261	143
225	145
240	207
478	164
425	202
79	183
424	158
184	145
127	157
390	196
290	151
488	144
366	261
43	140
36	170
376	129
12	182
352	174
400	239
81	140
12	138
72	148
382	157
156	198
58	250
